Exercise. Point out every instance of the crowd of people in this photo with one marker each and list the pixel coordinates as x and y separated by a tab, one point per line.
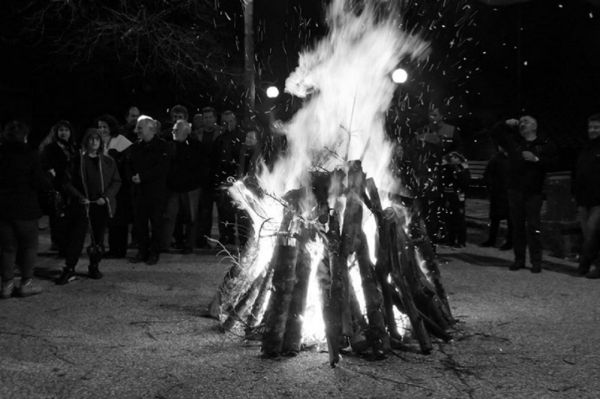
149	185
432	163
152	186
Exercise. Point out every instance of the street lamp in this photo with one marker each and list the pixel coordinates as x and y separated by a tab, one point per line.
272	92
399	76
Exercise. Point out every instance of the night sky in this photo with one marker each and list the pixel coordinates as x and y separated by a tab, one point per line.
540	57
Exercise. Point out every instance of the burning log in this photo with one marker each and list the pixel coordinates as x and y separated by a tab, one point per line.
292	339
398	282
278	309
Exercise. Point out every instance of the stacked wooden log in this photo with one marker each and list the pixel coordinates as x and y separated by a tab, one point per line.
405	278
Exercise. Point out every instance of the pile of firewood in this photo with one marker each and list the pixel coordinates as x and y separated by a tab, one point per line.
405	277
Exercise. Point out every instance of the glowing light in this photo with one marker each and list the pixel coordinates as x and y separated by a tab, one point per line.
399	76
272	92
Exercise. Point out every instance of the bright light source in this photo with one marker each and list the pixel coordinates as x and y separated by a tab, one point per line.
272	92
399	75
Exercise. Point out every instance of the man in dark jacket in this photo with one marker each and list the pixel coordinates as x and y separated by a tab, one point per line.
586	187
226	156
21	178
206	136
529	157
183	184
147	169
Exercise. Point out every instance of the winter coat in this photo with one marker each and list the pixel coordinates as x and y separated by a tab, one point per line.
93	178
59	159
586	177
185	166
226	152
454	179
21	178
496	177
151	161
525	176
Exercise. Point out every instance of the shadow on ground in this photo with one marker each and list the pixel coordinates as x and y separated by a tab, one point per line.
491	261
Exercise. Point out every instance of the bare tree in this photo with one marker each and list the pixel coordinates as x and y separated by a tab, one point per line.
189	40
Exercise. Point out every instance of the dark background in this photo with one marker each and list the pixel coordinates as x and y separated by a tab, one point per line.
540	57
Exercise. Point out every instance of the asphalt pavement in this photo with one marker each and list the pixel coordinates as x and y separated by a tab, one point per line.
139	333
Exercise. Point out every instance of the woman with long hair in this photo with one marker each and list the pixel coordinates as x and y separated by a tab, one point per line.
57	152
116	145
91	186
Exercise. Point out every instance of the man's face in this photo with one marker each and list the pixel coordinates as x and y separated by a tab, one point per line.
178	116
145	130
63	133
197	122
180	132
251	139
435	116
527	125
229	121
593	129
209	119
132	116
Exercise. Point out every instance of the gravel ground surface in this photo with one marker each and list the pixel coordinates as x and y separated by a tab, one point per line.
138	333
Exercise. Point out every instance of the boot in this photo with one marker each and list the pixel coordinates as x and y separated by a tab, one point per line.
516	266
8	288
94	272
536	268
138	258
152	259
67	275
594	274
27	288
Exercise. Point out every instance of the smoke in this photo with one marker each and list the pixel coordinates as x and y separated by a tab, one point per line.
346	83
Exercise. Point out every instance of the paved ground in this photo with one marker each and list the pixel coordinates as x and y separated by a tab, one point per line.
138	333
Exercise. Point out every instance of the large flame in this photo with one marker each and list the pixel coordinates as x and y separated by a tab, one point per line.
346	83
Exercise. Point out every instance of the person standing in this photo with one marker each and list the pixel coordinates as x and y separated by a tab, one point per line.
530	157
91	186
128	129
586	188
57	152
207	138
117	146
454	178
496	178
433	142
21	178
182	187
249	157
226	156
147	169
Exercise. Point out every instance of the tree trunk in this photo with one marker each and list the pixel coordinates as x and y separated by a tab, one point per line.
249	67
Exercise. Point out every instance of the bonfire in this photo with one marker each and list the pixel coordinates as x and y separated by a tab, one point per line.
338	256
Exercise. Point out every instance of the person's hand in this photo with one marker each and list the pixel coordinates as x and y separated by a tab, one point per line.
100	201
52	172
84	201
529	156
136	179
512	122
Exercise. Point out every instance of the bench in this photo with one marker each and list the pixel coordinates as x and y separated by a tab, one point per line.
477	186
477	169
